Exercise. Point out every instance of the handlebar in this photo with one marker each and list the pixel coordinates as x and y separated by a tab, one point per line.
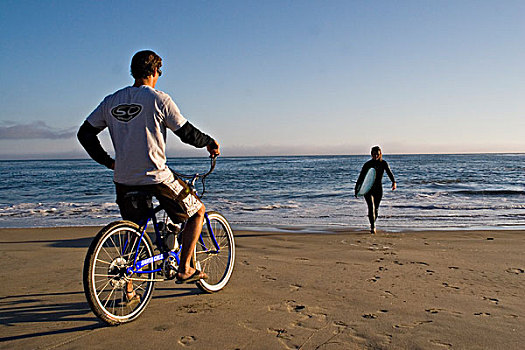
194	177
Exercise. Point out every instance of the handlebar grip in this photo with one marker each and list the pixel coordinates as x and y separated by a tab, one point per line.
213	162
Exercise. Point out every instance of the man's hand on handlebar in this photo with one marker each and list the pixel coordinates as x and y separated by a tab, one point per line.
213	149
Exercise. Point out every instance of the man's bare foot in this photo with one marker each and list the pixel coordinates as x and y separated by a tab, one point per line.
130	293
189	276
131	297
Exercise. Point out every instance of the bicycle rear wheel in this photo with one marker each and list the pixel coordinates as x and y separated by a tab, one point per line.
215	253
107	278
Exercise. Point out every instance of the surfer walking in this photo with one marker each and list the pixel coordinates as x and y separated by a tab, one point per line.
374	194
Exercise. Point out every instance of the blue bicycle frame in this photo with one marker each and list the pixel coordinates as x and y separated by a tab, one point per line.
138	265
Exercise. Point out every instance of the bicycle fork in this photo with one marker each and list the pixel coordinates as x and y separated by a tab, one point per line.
212	236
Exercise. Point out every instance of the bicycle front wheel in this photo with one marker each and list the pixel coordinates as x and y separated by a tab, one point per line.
114	292
215	253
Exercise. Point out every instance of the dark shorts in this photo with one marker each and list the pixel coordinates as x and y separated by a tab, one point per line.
175	196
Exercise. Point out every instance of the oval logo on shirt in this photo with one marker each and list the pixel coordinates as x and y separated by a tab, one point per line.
125	112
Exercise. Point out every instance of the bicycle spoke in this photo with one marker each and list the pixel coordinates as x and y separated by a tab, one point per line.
211	258
130	244
121	243
103	261
141	286
105	250
103	290
133	249
115	246
141	252
103	275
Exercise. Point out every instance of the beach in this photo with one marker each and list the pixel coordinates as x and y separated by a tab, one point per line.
289	290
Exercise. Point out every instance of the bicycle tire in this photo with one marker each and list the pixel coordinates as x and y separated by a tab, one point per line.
216	263
105	278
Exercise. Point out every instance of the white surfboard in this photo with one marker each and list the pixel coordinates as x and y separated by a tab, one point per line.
368	182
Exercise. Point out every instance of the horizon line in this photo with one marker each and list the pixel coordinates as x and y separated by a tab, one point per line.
57	157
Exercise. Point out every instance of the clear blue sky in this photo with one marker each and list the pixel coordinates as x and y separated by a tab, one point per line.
273	77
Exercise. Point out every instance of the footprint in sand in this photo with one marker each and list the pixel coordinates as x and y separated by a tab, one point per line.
269	278
340	324
389	293
295	287
375	247
281	334
187	340
445	284
288	305
412	325
440	343
162	328
249	326
296	308
481	314
304	323
369	316
433	311
492	300
438	310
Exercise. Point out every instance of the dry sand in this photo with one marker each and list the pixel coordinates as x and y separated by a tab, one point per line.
289	290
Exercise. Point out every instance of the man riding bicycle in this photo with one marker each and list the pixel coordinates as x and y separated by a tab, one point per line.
138	117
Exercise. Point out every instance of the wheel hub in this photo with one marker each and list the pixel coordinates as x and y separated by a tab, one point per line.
117	272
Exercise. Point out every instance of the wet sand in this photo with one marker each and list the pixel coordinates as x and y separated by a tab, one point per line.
289	290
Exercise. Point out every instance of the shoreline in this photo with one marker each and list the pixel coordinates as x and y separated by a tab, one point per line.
306	229
345	290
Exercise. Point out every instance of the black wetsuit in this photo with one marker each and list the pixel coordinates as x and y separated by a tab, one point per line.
373	197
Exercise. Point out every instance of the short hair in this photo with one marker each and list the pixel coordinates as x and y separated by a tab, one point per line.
377	149
144	63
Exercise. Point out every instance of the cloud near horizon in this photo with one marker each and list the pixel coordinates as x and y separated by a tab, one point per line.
33	130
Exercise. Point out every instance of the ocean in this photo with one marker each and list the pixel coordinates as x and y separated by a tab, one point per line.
474	191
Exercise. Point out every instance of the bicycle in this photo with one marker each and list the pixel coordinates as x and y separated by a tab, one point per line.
122	255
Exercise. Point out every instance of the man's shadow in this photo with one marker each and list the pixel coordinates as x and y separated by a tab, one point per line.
16	310
40	308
